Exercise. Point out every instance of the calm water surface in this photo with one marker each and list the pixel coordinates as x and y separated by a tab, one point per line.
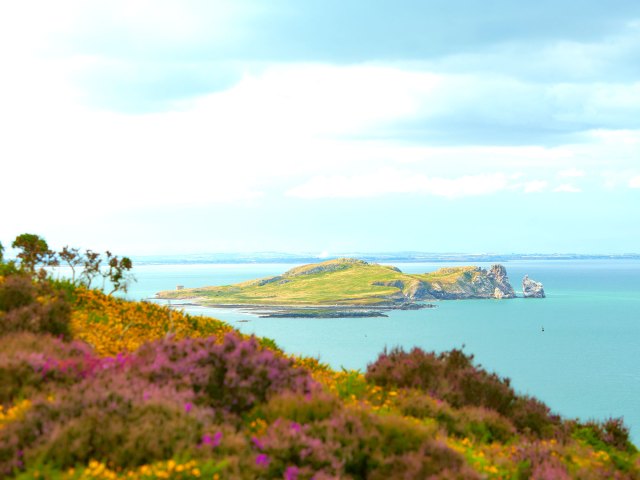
584	364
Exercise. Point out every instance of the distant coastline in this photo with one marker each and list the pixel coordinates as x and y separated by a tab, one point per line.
399	257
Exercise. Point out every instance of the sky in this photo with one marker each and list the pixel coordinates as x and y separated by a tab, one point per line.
197	126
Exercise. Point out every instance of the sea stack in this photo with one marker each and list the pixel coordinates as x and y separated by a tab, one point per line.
531	288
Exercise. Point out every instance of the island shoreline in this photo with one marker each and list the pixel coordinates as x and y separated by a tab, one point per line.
308	311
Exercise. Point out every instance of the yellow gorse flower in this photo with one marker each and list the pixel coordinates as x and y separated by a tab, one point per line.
114	325
16	412
171	469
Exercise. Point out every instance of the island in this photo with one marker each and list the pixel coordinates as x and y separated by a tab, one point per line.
350	287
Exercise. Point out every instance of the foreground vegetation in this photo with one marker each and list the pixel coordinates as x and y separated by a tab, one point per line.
95	387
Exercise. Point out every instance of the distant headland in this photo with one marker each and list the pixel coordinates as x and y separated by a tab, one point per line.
376	257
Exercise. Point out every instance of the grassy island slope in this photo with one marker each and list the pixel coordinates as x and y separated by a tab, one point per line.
347	281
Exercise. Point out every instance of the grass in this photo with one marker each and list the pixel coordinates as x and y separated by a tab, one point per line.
450	275
335	282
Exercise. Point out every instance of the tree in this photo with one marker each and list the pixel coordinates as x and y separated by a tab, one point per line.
7	267
117	272
33	251
91	263
72	257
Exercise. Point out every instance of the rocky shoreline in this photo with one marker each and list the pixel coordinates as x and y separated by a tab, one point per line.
340	311
324	314
312	311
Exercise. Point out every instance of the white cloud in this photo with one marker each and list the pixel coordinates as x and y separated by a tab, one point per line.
623	137
320	99
289	123
567	188
389	181
635	182
535	186
122	27
572	173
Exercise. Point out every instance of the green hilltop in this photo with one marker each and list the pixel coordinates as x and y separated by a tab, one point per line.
353	282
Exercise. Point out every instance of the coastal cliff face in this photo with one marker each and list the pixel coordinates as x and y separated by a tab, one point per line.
347	281
498	274
465	282
531	288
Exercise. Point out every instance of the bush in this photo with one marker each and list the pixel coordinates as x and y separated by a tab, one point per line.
299	408
232	376
611	436
113	325
109	417
8	268
530	415
536	462
135	409
353	443
287	444
452	377
417	404
484	425
30	363
433	460
476	422
138	434
415	369
615	433
27	305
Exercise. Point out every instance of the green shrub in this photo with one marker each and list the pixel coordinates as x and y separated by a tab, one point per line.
138	434
355	443
537	462
109	417
610	436
231	376
299	408
476	422
351	383
415	403
31	363
33	306
269	344
16	291
530	415
484	425
8	268
452	377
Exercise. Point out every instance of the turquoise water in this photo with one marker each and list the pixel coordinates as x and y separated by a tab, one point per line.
584	364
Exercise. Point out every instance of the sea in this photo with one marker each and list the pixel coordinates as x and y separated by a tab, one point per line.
578	349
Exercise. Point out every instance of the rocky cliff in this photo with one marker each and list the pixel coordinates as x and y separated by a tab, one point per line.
531	288
459	283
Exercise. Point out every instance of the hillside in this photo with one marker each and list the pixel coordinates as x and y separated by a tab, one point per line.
96	387
352	282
